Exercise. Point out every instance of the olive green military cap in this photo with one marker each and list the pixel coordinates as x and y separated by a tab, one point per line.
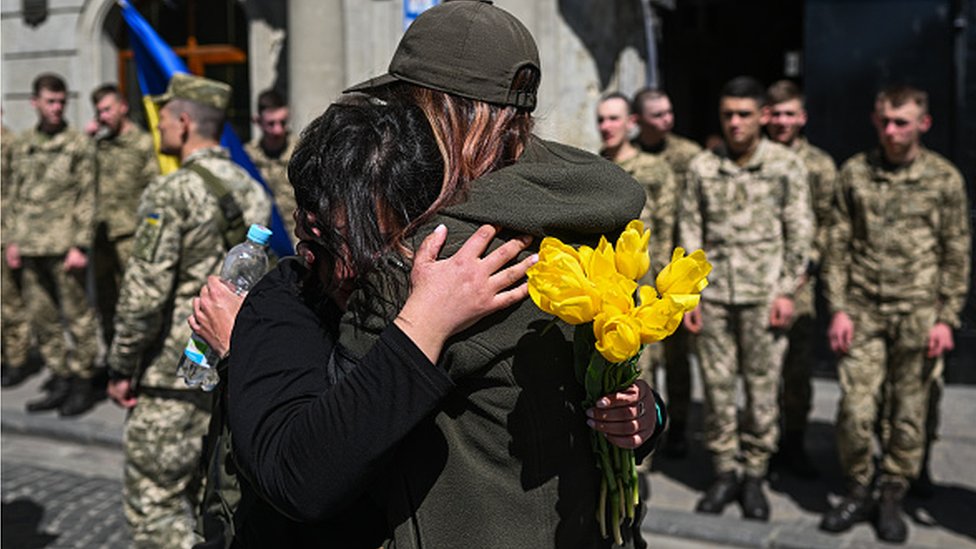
468	48
197	89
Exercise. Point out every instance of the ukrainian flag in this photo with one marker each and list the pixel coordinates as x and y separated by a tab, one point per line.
155	64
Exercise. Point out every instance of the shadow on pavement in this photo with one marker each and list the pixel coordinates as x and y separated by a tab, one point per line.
811	494
951	507
21	519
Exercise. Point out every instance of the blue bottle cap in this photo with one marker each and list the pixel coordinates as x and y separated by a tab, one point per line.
259	234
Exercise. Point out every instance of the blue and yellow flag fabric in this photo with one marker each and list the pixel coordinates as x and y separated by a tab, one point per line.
155	64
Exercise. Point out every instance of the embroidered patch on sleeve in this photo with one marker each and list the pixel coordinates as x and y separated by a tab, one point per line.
147	236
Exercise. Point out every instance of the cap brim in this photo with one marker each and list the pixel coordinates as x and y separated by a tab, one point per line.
161	98
372	84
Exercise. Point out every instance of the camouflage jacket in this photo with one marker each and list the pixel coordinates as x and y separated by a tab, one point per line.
52	192
659	212
275	174
125	164
754	222
177	245
900	238
678	152
6	139
822	175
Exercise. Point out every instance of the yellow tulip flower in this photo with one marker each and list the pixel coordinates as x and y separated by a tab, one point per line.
684	276
630	254
559	286
657	317
617	336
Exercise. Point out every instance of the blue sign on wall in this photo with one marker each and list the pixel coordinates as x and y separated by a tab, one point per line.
413	8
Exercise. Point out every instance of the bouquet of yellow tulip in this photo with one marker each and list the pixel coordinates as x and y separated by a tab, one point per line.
594	290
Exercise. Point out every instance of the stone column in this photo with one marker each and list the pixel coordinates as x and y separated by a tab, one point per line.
316	57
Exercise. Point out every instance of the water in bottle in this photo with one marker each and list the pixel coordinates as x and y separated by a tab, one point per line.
245	264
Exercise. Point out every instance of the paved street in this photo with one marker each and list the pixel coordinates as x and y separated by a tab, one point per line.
60	494
61	484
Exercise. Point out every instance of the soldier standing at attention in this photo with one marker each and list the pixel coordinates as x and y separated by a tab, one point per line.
897	275
125	162
15	329
272	152
51	204
747	205
655	117
787	116
188	221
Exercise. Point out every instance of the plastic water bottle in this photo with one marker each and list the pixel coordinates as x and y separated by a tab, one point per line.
244	265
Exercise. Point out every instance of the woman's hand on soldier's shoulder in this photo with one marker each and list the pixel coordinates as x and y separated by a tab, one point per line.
451	294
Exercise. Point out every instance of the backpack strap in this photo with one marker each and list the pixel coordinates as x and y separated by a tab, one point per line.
231	222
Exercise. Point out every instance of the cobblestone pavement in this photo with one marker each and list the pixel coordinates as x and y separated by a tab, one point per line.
63	498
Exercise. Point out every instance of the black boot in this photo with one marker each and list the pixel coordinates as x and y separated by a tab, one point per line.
754	503
80	400
891	525
723	491
855	507
793	455
13	376
57	392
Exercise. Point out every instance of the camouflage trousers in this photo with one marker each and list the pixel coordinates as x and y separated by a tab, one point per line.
109	257
672	356
54	296
15	324
797	391
735	342
163	480
885	372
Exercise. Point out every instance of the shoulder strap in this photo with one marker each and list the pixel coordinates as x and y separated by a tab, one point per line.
231	222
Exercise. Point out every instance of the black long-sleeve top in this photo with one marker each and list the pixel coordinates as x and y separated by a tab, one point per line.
311	428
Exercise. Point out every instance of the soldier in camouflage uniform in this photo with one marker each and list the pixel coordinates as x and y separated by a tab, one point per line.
897	275
615	122
787	116
655	117
180	240
51	204
272	152
15	329
125	162
747	206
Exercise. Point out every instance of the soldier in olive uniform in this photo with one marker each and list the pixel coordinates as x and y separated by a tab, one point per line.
897	275
15	329
51	204
125	162
787	116
655	117
748	207
182	238
272	152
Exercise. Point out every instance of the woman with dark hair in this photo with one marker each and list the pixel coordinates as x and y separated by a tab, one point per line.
505	460
305	416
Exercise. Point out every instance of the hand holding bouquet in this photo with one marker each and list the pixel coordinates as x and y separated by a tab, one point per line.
594	290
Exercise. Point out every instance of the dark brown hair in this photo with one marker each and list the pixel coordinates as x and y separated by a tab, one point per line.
901	94
50	82
782	91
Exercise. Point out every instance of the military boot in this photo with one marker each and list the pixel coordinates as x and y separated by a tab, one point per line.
855	507
754	503
80	400
58	389
12	376
891	526
722	492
